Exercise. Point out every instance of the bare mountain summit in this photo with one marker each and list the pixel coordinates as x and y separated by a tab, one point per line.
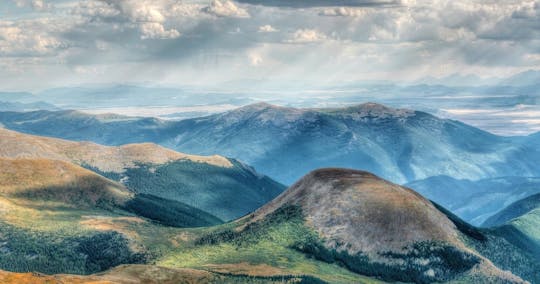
377	228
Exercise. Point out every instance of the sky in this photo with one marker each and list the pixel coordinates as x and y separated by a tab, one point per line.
52	43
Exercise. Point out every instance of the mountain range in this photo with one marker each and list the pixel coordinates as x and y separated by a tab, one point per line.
398	144
332	226
476	201
127	213
220	186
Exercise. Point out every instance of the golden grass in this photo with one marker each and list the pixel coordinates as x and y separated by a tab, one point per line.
245	268
125	274
119	224
104	158
58	181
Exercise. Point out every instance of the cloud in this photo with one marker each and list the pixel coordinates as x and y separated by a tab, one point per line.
188	38
37	5
152	30
343	12
30	38
267	29
306	36
322	3
148	17
226	8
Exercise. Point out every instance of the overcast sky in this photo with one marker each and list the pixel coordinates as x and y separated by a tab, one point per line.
50	43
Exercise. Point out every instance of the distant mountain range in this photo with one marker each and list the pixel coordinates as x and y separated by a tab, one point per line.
476	201
22	107
398	144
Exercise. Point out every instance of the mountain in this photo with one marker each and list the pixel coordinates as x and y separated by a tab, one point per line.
16	106
108	129
21	97
332	226
57	217
62	182
520	223
223	187
118	95
476	201
526	78
357	222
521	219
515	210
398	144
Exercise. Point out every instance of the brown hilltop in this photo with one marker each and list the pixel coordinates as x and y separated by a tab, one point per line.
60	181
105	158
363	215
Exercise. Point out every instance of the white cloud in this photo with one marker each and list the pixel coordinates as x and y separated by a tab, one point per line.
38	5
226	8
151	30
306	36
29	39
415	38
150	17
267	29
343	12
96	10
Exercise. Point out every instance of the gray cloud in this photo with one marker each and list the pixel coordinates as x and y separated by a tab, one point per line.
221	40
321	3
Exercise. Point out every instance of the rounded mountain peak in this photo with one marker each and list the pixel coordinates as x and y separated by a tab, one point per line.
360	212
378	228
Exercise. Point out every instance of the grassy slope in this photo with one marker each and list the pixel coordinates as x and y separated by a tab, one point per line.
49	235
529	224
58	217
268	249
283	244
214	184
130	274
514	210
520	224
507	248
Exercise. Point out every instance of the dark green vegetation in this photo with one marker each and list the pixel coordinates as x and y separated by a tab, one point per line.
169	212
445	261
519	224
261	247
25	250
506	247
510	250
281	230
227	193
514	210
300	279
